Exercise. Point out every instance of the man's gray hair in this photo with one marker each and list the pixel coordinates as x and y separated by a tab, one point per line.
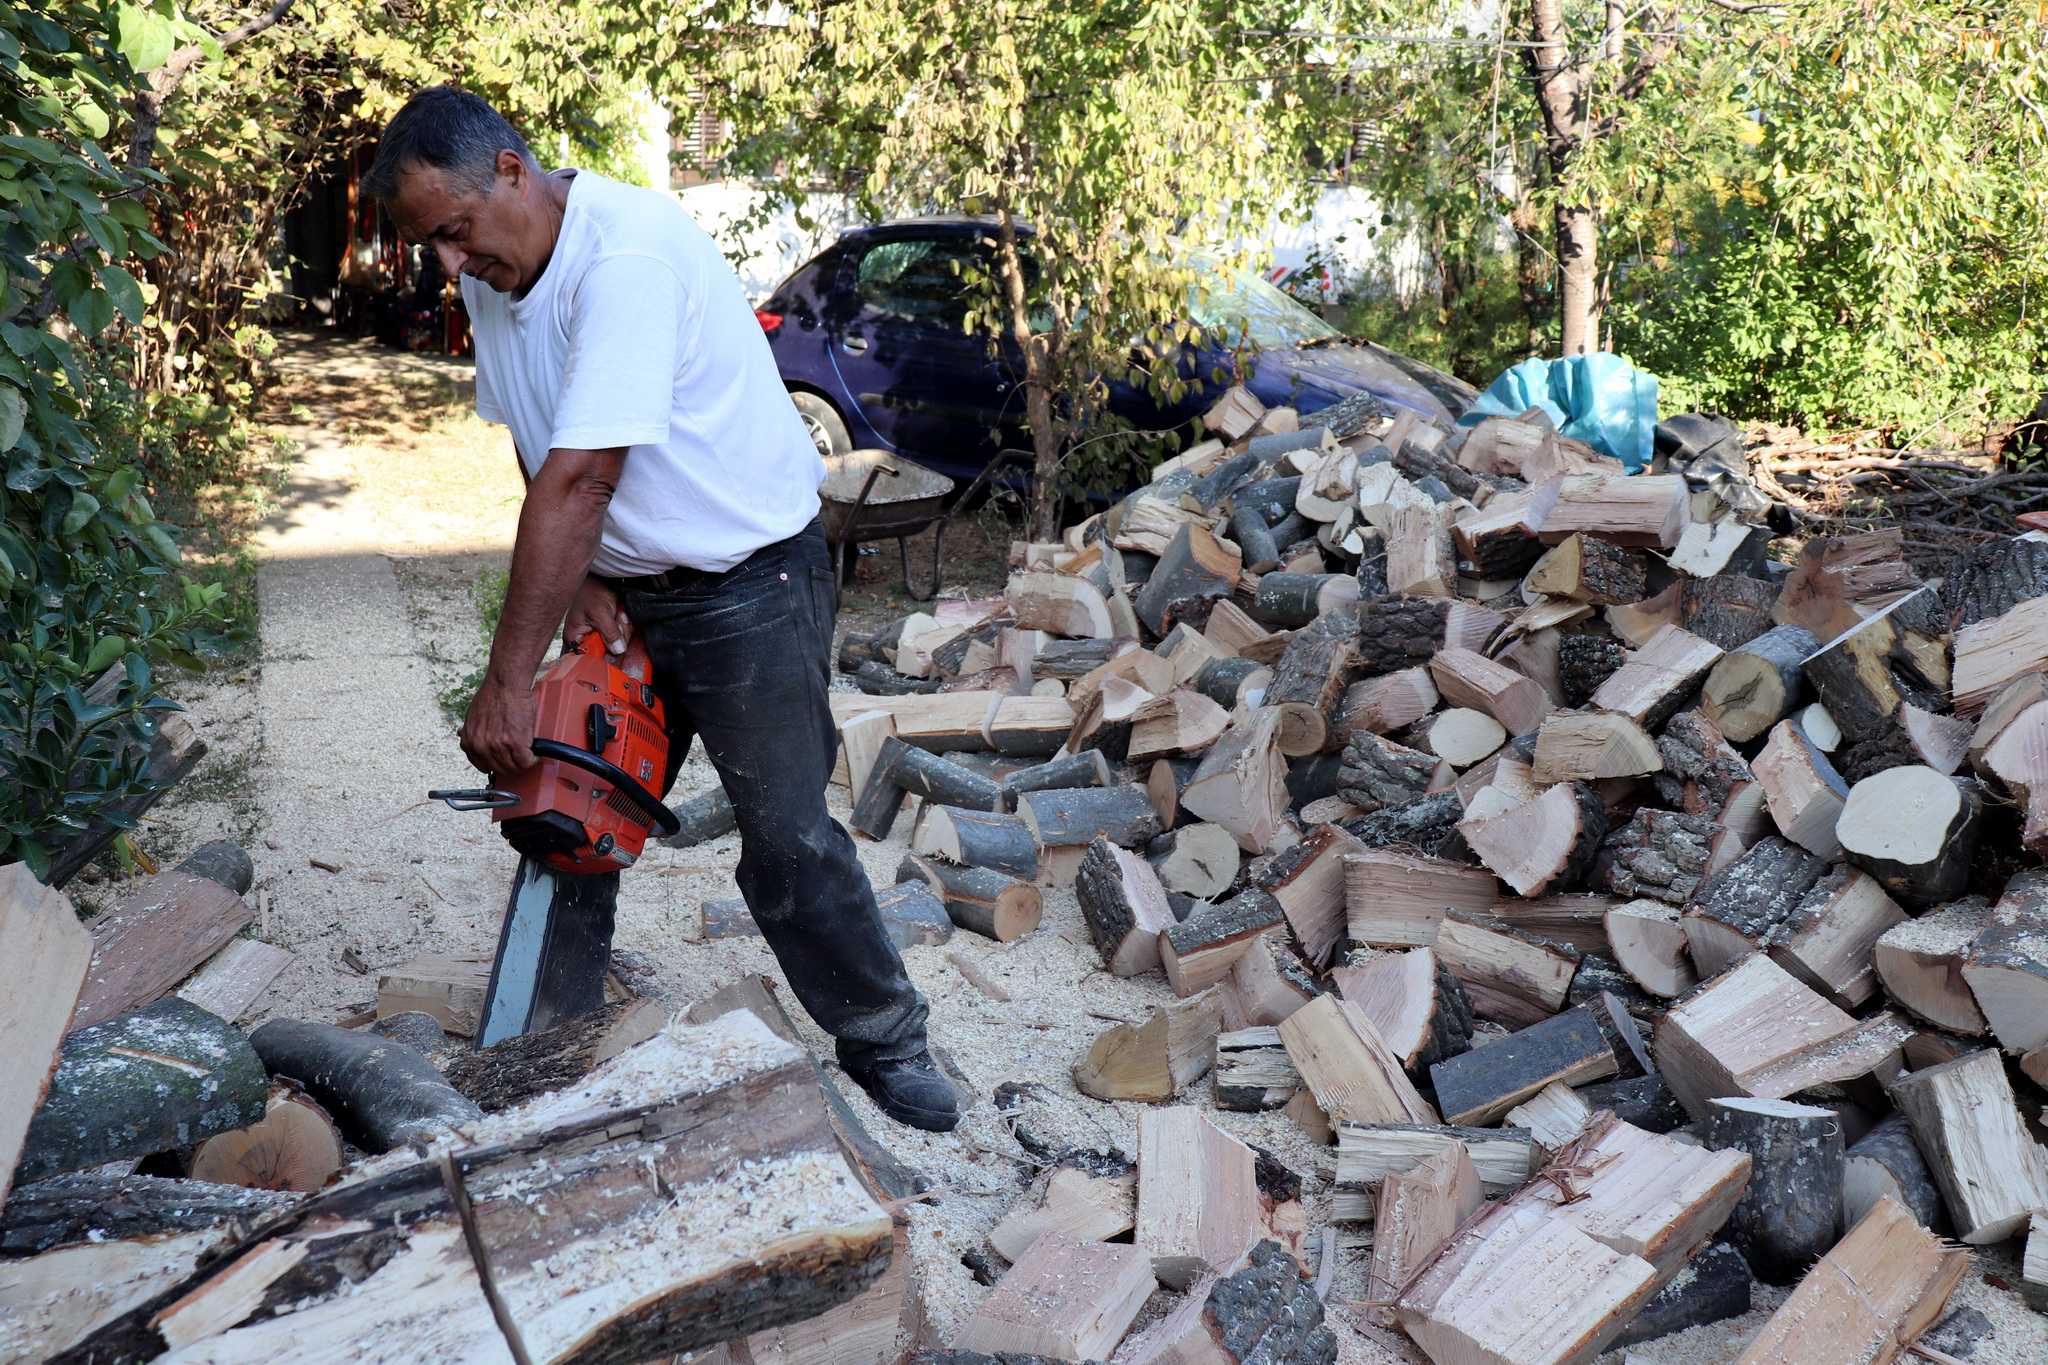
449	129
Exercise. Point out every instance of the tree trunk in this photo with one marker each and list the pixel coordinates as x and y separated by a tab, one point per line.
1045	445
1560	87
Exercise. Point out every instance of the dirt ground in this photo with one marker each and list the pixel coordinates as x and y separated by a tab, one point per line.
321	751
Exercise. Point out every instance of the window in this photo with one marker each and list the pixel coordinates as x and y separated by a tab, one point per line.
923	279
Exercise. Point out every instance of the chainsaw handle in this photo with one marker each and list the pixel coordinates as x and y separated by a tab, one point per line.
665	821
474	798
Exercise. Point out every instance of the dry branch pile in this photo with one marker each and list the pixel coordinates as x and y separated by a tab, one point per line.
1377	730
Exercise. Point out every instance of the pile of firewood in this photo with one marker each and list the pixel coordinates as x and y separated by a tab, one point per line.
614	1189
1379	741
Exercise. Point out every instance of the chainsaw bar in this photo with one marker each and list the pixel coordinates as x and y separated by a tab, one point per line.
522	951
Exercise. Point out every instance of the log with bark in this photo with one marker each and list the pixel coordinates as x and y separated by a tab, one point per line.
1268	1311
1201	950
1885	1163
1542	845
1792	1209
1715	1287
1427	825
1417	1003
1583	663
1394	899
1401	631
166	1075
1515	979
1240	783
1756	685
1307	685
1078	815
92	1207
1124	906
1085	769
1000	843
1225	681
2006	965
1828	938
1268	984
1348	1067
1660	677
1193	572
516	1069
1659	853
1920	964
1736	911
1500	540
525	1233
1914	831
1588	569
1480	1086
1377	773
294	1146
152	938
382	1092
978	899
1837	581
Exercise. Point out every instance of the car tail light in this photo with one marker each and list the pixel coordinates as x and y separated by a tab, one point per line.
769	321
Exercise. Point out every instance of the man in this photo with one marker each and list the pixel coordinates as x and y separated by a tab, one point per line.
672	490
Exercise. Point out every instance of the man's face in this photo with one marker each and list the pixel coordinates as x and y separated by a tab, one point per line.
502	238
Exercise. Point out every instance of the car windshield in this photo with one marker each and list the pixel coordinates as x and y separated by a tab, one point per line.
1242	305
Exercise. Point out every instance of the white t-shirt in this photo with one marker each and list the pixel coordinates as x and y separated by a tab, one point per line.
637	334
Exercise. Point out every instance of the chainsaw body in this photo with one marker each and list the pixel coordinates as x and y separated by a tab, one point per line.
591	800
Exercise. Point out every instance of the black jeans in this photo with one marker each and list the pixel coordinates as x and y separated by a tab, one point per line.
742	659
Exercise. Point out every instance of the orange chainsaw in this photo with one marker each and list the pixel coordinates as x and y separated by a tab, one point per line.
591	801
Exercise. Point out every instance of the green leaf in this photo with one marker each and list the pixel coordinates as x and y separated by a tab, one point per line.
160	540
84	507
105	654
143	36
124	290
13	415
92	312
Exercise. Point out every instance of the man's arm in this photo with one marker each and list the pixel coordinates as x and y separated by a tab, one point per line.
559	526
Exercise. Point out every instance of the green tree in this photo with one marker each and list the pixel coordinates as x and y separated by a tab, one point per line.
1120	134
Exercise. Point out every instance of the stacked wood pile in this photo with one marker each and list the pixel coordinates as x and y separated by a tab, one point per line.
1379	743
614	1189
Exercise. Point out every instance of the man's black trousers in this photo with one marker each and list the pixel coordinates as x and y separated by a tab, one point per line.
742	660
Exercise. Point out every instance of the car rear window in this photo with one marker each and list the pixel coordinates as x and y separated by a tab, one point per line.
921	279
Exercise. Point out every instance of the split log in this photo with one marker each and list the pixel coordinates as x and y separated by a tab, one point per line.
1874	1291
1514	979
1609	1173
1542	845
383	1093
1804	792
2034	1267
1468	679
1306	882
1198	1196
1233	416
1914	831
1921	961
1268	1311
1124	906
1643	1102
1583	663
1200	951
1501	539
236	977
2012	701
1241	782
1646	511
1000	843
1150	673
1070	660
1658	853
942	723
1079	815
1367	1153
1753	687
1991	1173
1480	1086
977	899
1840	580
1989	579
1421	557
1268	984
1193	571
1991	654
516	1069
1395	900
1252	1073
1588	569
1418	1211
294	1146
1059	603
1415	1001
152	938
1758	1030
1635	624
1703	775
1198	860
1427	825
1155	1061
1577	921
1376	772
585	1269
449	986
1348	1066
1399	631
1228	629
1231	680
1885	1163
1592	746
1715	1287
1087	768
1071	1202
1651	946
1517	1287
1739	907
1727	610
1790	1212
1181	722
1555	1115
1720	547
1659	678
1863	679
1828	938
2006	966
42	942
1187	649
166	1075
2016	755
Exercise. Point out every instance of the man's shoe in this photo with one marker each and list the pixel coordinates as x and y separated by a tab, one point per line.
911	1091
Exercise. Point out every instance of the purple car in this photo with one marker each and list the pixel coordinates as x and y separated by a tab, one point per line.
869	339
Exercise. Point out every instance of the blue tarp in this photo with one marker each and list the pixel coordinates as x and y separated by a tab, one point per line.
1600	399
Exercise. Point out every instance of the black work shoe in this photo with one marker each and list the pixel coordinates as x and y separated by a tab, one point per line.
911	1091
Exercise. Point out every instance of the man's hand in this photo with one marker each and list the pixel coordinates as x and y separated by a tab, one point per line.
497	733
597	608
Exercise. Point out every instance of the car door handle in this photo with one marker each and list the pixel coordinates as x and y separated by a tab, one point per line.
855	344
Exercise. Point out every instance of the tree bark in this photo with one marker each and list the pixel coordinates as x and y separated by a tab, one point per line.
1045	444
1560	87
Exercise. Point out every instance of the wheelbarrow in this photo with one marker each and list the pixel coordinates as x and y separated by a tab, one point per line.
876	495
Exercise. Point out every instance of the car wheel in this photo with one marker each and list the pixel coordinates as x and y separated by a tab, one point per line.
823	422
